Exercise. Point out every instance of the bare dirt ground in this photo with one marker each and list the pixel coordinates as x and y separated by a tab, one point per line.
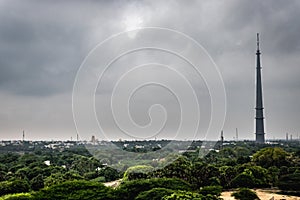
263	195
113	184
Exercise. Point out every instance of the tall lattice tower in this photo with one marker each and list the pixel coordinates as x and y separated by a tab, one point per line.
259	115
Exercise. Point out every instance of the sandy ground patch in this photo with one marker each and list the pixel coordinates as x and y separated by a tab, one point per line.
113	184
263	195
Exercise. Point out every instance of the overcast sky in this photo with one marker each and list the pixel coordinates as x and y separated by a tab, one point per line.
43	44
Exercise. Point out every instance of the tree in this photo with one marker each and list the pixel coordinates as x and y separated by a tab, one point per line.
54	179
243	180
242	151
245	194
273	174
180	168
29	158
203	175
72	175
34	172
90	175
9	159
22	173
109	173
137	172
15	186
83	164
260	174
2	175
289	182
37	182
227	173
228	153
270	156
3	167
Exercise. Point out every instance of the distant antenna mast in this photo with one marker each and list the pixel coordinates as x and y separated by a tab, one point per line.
236	134
257	41
222	139
23	138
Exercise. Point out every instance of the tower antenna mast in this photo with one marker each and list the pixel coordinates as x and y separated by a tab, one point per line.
259	115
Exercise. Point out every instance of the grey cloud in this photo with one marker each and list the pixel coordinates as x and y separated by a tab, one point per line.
42	44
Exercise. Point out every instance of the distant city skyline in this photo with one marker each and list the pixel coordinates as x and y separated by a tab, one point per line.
43	44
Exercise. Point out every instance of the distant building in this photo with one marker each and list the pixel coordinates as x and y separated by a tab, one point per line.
93	140
47	162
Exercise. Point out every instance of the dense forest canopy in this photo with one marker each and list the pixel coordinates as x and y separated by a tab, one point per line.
73	173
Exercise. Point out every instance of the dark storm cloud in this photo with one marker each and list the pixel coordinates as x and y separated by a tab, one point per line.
277	20
44	43
37	57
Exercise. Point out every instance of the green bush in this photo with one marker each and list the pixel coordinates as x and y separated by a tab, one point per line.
109	173
184	195
18	196
131	189
137	172
271	156
289	182
154	194
100	179
90	175
245	194
243	180
15	186
212	190
260	174
37	182
75	190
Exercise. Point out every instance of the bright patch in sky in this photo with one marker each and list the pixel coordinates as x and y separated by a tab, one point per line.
132	22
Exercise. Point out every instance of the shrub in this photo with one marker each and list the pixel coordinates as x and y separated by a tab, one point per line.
100	179
16	186
212	190
137	172
289	182
75	190
243	180
180	195
37	182
270	156
131	189
18	196
154	194
245	194
109	173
